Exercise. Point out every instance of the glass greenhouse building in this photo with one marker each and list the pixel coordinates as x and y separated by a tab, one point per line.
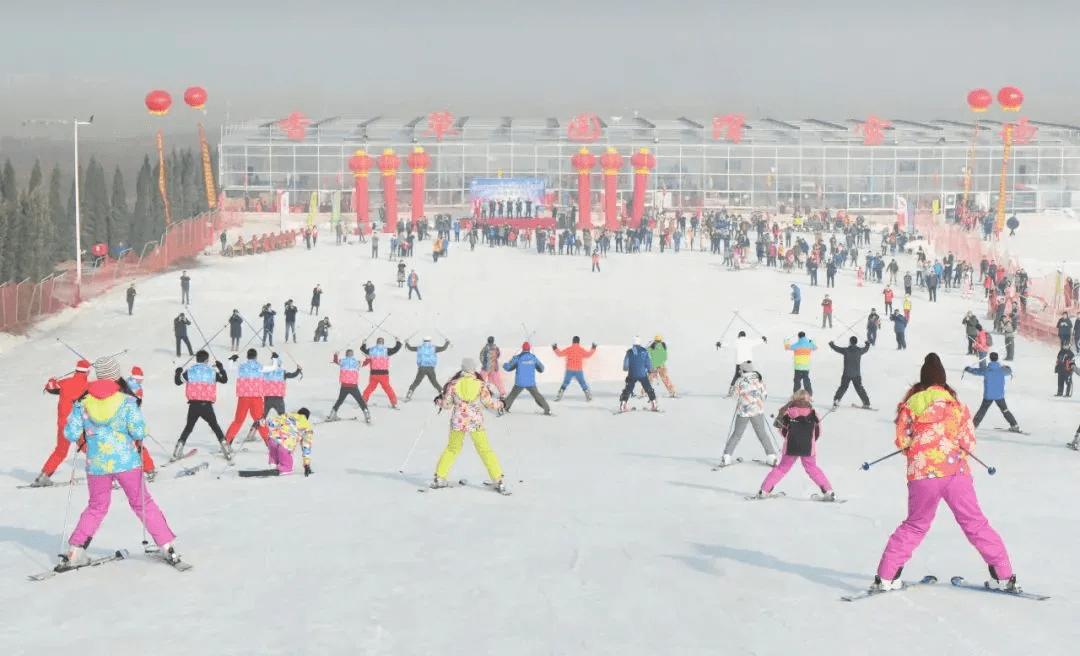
810	162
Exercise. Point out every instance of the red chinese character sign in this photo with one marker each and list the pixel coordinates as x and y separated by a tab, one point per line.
388	163
584	128
873	130
1022	132
294	126
610	163
642	162
359	164
440	124
728	127
583	162
418	162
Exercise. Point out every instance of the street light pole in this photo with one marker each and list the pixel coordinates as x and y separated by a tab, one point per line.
75	123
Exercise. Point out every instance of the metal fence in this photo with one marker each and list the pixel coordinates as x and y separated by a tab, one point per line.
23	304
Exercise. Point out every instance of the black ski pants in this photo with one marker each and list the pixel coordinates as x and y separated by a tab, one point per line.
273	403
516	389
1064	384
201	410
183	339
629	389
346	392
985	405
802	380
855	381
421	374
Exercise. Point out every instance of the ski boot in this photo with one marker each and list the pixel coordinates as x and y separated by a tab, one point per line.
408	395
588	395
1007	585
1074	445
178	451
624	406
75	557
771	460
367	416
835	404
438	483
226	450
332	416
652	406
725	460
866	406
558	397
151	475
884	586
500	486
828	495
1015	428
168	553
43	480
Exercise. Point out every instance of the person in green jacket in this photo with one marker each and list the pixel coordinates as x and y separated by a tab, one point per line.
658	359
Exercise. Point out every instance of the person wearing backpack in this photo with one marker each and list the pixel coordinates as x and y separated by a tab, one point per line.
1063	367
801	428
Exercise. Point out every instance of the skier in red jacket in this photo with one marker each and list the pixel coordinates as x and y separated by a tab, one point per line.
69	389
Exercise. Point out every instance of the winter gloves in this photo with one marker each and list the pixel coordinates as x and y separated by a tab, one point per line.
594	346
234	357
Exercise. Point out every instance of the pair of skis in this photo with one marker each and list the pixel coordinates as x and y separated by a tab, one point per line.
120	554
957	581
462	483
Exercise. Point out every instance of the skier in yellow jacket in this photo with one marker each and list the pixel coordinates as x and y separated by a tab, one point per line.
466	396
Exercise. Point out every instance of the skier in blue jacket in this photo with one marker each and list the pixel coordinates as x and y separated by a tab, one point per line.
525	366
994	390
636	363
796	298
427	358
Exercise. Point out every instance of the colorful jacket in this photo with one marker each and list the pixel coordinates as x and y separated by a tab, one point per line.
657	354
349	375
200	381
993	376
750	392
575	355
291	429
637	362
380	357
427	353
801	349
112	424
467	397
274	377
935	431
249	379
135	387
489	357
525	365
69	389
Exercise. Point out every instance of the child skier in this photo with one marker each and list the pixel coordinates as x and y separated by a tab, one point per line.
69	389
112	425
636	364
801	427
935	430
466	396
378	358
575	355
750	409
489	366
658	360
286	431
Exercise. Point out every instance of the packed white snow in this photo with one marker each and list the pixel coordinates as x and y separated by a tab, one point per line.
618	539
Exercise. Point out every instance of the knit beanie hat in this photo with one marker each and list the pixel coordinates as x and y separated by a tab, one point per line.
526	346
82	366
137	373
468	365
106	369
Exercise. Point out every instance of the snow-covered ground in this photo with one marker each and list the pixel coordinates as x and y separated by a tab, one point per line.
618	539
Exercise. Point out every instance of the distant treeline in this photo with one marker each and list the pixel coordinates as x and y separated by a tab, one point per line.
37	222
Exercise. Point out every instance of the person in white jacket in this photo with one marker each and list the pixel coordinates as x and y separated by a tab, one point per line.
744	352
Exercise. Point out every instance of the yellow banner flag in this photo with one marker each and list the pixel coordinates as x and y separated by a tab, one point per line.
161	174
208	170
313	207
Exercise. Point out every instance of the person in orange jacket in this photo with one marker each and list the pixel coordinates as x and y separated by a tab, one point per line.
69	389
888	293
575	356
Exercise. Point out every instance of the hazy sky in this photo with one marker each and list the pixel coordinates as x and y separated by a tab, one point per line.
832	59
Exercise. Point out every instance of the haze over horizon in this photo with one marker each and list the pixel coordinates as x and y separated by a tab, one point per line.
836	59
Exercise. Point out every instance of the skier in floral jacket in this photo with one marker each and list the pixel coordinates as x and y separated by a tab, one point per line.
466	396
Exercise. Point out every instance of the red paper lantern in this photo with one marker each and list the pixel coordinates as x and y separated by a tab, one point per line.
158	102
418	160
1011	99
611	161
583	161
979	100
195	97
360	164
643	161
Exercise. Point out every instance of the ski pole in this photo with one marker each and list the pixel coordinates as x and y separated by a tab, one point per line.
748	325
849	328
734	316
989	470
408	457
190	358
866	465
528	333
201	334
71	488
68	347
378	326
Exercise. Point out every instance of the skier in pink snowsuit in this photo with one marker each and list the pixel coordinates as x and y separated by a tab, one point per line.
489	366
936	432
799	424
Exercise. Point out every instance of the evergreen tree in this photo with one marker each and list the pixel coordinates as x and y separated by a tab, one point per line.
96	211
8	191
58	238
29	260
7	248
35	177
119	222
139	233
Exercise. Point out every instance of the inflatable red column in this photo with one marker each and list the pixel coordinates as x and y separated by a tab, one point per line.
642	162
359	164
388	163
610	163
418	161
583	161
